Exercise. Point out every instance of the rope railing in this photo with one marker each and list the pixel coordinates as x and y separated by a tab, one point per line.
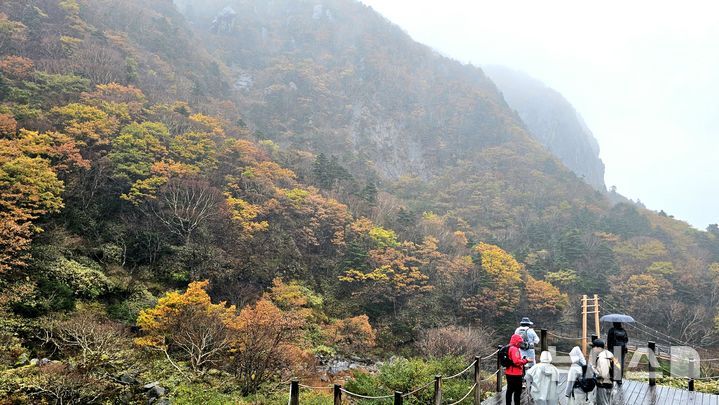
352	394
307	387
660	352
489	356
461	372
471	390
654	333
563	337
418	389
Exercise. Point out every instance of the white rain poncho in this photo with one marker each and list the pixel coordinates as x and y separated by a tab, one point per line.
542	381
576	395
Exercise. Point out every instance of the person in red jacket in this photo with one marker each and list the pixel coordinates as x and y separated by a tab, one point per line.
515	372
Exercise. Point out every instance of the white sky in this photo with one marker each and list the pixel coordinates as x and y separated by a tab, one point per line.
644	74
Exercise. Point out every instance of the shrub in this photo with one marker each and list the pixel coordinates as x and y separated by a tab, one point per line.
405	375
352	335
90	336
465	342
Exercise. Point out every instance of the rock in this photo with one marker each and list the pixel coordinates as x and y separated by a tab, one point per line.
324	378
154	390
214	372
162	401
33	362
130	378
44	361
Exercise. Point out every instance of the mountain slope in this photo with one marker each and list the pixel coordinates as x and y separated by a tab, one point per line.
552	120
335	77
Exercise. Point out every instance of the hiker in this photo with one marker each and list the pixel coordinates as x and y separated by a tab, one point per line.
529	339
543	380
576	395
514	370
617	340
604	364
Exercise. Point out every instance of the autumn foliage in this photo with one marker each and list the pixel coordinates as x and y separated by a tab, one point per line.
188	324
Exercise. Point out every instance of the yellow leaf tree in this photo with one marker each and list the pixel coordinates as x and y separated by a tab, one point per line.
188	326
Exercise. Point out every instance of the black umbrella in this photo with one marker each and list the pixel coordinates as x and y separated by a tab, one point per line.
617	318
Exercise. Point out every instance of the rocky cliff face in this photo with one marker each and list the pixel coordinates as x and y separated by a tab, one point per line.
553	121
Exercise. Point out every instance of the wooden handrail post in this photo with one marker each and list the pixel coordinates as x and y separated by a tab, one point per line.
437	390
691	374
477	381
337	390
652	358
584	325
596	315
398	398
498	387
543	340
294	392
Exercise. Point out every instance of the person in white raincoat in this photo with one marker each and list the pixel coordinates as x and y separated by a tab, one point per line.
543	380
575	395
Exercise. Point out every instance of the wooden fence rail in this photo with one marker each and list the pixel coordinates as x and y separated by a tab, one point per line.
398	397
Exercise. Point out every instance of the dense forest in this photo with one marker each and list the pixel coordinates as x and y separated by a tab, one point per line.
218	195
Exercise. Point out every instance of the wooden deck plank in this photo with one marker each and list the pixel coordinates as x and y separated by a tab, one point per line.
632	393
641	398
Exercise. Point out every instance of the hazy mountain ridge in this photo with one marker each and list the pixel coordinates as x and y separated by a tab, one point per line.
553	121
396	103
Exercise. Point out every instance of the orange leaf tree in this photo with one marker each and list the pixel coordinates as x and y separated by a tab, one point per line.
266	342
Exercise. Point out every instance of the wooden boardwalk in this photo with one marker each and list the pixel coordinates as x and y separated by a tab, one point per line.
632	393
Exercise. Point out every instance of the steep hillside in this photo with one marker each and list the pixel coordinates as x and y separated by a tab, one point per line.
552	120
335	77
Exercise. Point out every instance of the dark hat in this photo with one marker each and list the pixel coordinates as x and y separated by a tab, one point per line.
598	343
526	322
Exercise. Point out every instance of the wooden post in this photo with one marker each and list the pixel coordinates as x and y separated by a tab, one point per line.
398	398
498	386
596	315
584	325
691	374
437	390
543	340
294	392
337	394
652	358
478	381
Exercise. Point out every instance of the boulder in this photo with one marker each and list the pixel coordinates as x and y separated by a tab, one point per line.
130	378
154	390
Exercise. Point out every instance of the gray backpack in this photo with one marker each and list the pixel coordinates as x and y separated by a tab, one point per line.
525	345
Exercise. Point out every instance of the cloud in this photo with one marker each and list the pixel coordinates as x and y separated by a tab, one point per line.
644	74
